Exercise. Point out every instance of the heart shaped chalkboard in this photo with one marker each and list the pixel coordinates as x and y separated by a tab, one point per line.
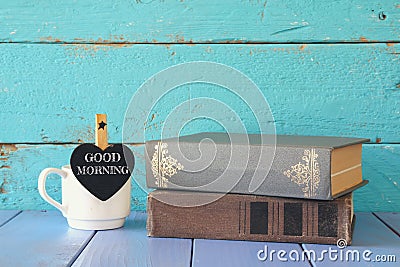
102	172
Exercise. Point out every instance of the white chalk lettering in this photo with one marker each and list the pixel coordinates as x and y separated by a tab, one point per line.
102	170
99	157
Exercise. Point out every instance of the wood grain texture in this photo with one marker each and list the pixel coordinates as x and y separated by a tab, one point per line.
7	215
46	91
381	167
241	253
19	179
40	239
37	238
369	234
129	246
101	137
392	219
315	82
199	21
18	186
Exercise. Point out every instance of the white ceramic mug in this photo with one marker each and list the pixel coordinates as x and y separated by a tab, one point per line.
82	209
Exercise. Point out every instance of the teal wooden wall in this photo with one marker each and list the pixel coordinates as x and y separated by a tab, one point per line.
325	67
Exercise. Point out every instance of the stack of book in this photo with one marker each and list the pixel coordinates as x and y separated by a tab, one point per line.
253	187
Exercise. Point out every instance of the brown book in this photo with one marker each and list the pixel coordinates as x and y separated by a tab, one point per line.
250	217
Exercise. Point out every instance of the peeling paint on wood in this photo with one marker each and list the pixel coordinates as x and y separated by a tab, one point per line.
6	149
19	188
18	184
5	167
2	186
313	89
381	167
200	21
47	91
50	39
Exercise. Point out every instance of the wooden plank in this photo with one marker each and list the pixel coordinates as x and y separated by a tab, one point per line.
7	215
381	167
19	187
200	21
129	246
369	234
19	191
36	238
392	219
310	89
243	253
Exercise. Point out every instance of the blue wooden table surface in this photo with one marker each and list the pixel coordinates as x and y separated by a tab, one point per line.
43	238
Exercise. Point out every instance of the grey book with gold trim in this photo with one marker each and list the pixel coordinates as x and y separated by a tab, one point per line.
310	167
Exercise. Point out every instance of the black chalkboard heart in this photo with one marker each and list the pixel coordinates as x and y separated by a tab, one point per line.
102	172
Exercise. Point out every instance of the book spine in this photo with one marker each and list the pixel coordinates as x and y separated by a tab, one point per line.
295	172
255	218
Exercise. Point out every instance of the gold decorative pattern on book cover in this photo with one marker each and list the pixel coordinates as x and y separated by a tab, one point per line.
163	165
307	174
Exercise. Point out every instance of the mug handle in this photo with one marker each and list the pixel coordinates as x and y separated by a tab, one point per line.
42	187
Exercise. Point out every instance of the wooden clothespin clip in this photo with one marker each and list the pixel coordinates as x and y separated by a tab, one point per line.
101	131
